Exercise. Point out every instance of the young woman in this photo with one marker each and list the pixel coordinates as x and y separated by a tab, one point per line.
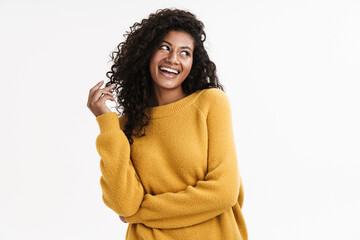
169	165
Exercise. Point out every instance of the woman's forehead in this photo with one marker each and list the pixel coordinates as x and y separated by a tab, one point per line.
179	38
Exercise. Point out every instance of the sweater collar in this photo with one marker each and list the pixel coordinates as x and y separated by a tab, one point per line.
171	108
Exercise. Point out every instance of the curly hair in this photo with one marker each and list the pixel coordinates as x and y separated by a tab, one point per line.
130	70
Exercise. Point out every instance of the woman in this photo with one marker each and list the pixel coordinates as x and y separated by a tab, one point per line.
168	163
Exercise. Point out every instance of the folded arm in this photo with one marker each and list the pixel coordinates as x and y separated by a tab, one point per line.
209	197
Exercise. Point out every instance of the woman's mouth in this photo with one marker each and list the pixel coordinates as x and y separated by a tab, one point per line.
168	72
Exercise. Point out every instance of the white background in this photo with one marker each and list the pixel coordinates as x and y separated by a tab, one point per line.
290	69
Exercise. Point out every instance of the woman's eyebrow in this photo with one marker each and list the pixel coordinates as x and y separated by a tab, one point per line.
184	47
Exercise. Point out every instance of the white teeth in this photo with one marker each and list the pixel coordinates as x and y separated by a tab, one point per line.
169	70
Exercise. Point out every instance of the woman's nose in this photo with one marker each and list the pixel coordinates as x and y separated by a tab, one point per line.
172	58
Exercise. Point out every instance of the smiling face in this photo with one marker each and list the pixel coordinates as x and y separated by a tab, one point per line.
171	62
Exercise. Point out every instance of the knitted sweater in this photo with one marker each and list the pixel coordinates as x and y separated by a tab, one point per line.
181	180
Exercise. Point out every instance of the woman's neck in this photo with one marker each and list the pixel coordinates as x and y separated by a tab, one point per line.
166	96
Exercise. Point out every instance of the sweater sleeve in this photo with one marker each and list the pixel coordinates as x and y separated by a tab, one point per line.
209	197
121	187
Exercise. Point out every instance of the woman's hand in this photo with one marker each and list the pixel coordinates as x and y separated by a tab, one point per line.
97	98
122	219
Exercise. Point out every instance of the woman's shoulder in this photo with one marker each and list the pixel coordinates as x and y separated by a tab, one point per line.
212	97
210	92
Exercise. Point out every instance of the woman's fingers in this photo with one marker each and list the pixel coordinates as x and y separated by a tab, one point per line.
96	93
92	92
99	92
98	97
94	89
103	99
122	219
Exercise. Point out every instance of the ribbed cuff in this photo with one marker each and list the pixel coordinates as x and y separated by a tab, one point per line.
108	122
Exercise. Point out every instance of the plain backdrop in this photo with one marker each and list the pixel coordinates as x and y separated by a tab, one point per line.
290	70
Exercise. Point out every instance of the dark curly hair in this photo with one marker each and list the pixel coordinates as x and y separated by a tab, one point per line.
130	70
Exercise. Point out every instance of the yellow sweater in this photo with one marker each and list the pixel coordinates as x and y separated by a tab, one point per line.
181	180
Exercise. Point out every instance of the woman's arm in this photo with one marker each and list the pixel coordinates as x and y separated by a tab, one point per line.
120	184
210	197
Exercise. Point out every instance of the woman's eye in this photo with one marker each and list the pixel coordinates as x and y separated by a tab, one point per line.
164	47
184	53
